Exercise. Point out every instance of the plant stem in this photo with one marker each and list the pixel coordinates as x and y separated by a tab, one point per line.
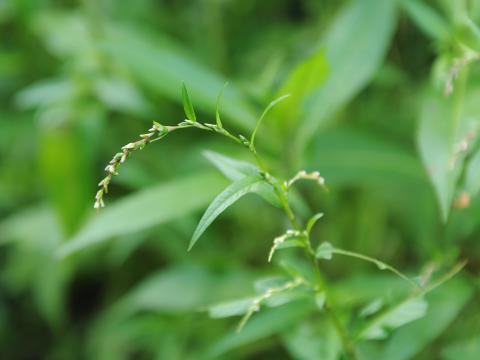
346	341
320	283
329	307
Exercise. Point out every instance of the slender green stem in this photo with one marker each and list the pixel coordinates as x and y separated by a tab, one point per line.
320	283
380	264
347	342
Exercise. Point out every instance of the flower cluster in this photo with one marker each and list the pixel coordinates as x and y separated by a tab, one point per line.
119	158
315	176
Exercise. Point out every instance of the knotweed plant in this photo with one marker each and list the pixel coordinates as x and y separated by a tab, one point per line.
256	178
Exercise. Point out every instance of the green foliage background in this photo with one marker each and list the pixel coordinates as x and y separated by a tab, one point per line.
368	109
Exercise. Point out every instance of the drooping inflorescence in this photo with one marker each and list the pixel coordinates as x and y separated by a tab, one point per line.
119	158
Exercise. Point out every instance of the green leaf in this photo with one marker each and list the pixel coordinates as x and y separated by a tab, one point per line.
350	157
303	80
472	175
235	170
313	341
400	315
372	307
465	349
217	107
230	308
30	264
469	33
312	221
352	65
187	104
161	65
59	172
265	112
263	284
226	198
180	289
444	305
176	289
324	251
262	325
144	209
408	310
427	19
436	138
173	290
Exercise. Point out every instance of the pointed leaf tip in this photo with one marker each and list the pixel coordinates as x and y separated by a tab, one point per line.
187	104
226	198
267	109
217	110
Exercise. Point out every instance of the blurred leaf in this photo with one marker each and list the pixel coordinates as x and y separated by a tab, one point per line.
427	19
436	137
372	307
67	169
313	341
465	349
352	292
324	251
349	157
233	169
305	77
45	92
119	94
64	34
472	175
230	308
469	33
352	65
226	198
400	315
444	305
187	104
177	289
144	209
32	236
38	218
413	307
263	284
262	325
162	65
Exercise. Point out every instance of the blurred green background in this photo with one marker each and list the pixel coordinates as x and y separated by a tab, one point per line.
385	104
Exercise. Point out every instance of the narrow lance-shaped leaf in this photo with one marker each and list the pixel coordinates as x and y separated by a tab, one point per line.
140	210
265	112
402	314
427	19
237	169
352	64
229	196
217	107
187	104
408	310
472	175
